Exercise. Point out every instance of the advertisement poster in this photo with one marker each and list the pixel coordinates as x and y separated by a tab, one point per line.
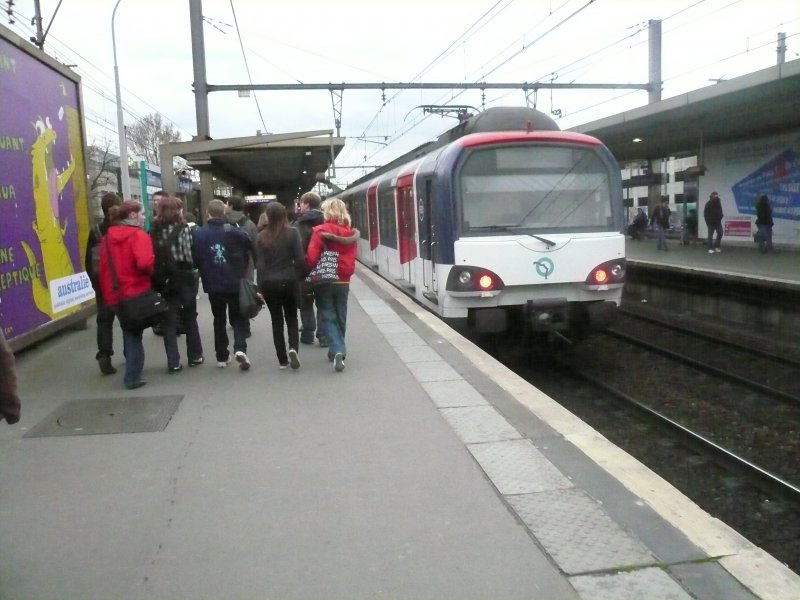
43	197
743	171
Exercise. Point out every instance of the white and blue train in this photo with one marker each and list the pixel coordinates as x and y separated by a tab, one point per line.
503	224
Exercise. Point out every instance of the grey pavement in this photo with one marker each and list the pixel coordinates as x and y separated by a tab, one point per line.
424	470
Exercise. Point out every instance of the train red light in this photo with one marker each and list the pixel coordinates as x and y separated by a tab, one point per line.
485	282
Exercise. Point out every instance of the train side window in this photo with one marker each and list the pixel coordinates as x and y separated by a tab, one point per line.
387	220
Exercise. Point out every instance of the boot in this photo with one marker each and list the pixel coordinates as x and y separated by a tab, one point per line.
106	368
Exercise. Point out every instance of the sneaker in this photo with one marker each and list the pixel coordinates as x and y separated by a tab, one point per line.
711	251
338	362
172	370
244	362
283	366
294	360
193	362
717	250
224	363
106	368
323	343
136	384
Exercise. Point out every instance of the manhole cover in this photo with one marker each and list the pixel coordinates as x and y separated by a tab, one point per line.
108	415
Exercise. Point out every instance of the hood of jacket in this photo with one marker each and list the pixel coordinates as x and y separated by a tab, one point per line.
120	234
313	216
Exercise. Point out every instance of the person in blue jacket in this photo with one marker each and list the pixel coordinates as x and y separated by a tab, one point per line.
221	252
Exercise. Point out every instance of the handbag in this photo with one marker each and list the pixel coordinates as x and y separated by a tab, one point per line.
249	302
140	311
327	268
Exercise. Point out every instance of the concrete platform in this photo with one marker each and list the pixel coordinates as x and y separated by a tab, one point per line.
733	260
425	470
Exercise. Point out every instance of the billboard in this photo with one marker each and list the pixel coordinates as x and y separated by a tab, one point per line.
44	207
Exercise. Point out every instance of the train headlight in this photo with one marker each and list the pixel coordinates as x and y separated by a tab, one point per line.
608	273
473	281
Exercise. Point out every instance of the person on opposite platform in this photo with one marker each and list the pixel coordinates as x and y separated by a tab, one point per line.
764	224
712	213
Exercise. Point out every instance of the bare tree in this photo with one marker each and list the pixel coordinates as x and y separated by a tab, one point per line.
102	166
148	133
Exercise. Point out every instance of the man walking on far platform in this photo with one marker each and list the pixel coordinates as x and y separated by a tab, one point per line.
660	220
712	213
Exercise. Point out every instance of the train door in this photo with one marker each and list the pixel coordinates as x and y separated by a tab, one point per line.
426	243
372	220
406	225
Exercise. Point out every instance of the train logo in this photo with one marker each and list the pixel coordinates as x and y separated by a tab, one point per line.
544	267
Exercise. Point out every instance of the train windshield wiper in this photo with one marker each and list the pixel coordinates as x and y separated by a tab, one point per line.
548	243
512	229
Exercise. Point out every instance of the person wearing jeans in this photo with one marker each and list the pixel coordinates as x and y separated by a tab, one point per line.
126	264
332	297
221	252
225	306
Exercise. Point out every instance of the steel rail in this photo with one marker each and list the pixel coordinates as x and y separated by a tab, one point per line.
761	475
711	338
759	387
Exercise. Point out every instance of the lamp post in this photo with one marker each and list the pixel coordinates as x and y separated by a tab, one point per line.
123	142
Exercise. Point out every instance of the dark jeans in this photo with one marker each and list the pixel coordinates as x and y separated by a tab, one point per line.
308	316
281	298
182	309
711	230
765	233
224	306
105	330
332	312
133	349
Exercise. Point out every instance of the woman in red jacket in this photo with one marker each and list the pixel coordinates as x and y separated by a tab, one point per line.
332	297
131	252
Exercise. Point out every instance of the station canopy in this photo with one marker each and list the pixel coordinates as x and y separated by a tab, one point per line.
283	164
755	105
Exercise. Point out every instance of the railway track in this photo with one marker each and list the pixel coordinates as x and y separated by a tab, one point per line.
718	419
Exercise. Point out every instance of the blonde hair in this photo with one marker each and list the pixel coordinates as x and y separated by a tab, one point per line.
335	210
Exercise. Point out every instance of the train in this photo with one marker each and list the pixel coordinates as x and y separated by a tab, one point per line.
504	224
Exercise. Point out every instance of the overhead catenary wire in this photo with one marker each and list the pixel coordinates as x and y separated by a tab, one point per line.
247	66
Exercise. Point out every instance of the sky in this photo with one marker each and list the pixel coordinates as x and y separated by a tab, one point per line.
361	41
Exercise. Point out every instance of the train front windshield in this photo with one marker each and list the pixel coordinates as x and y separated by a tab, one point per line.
534	189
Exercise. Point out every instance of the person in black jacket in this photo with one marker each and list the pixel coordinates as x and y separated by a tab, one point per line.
712	213
280	265
310	216
105	314
221	252
764	223
9	398
660	219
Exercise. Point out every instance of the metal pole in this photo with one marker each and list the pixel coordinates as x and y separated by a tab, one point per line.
201	95
781	48
654	94
39	39
123	142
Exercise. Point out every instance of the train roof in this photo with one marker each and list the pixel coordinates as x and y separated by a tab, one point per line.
499	118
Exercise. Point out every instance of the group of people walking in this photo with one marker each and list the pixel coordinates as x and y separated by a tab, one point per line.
175	256
713	216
